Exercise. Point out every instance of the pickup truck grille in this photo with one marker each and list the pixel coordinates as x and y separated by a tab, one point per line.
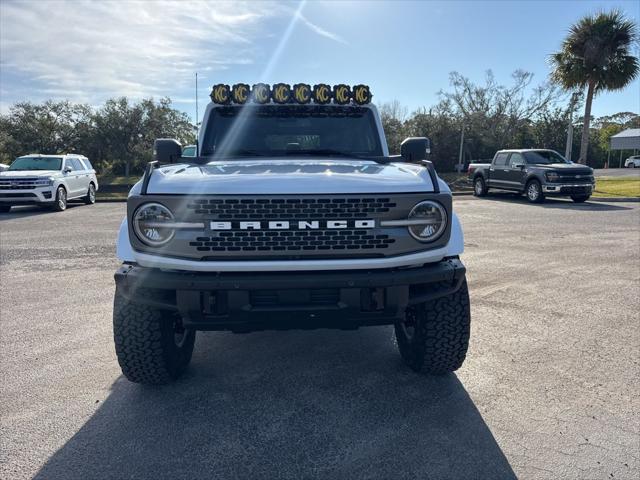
291	208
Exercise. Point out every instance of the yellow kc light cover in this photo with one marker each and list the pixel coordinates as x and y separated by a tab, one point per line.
240	93
361	94
302	93
282	93
221	94
322	93
342	94
261	93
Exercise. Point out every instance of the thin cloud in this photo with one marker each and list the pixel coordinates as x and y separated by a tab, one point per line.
321	31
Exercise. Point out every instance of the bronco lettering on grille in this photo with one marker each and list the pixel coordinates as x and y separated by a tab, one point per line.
287	225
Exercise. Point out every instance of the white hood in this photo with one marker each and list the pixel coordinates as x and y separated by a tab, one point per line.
28	173
290	176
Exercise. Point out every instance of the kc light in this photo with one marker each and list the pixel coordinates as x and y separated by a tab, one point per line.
361	94
427	221
240	93
302	93
281	93
221	94
152	224
322	93
342	94
261	93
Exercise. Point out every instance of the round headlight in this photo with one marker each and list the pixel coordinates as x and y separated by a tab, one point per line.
148	223
430	221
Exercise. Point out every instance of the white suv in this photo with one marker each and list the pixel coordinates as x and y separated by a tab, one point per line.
632	162
48	180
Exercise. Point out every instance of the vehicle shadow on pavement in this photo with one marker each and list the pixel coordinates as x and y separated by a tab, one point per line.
551	202
321	404
30	211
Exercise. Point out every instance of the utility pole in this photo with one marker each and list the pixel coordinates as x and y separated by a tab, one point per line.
572	106
461	150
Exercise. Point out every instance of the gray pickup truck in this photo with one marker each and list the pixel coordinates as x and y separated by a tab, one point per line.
535	172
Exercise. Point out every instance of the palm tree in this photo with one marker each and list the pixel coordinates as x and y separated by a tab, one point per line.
596	55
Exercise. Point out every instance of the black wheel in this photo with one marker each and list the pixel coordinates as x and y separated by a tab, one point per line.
61	200
580	198
5	208
434	336
151	345
480	188
533	191
632	165
90	199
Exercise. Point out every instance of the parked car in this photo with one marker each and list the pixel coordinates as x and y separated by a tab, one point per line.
48	180
535	172
302	221
632	162
189	151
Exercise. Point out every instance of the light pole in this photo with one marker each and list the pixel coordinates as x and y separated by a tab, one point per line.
572	106
461	150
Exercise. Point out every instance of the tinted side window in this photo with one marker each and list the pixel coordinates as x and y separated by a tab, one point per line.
516	159
501	159
75	164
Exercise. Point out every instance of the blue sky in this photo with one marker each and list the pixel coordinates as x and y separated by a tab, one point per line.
403	50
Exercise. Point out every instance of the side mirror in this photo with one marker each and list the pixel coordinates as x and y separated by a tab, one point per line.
67	169
518	165
167	150
415	149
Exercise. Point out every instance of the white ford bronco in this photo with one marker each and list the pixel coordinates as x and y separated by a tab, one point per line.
292	215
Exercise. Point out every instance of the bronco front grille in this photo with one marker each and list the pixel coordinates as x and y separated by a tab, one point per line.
280	241
291	226
291	208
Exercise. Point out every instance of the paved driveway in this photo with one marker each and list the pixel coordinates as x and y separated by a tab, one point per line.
549	389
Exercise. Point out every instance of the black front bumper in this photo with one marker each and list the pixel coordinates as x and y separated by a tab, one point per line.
284	300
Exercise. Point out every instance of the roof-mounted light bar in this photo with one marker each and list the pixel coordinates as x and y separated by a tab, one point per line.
282	93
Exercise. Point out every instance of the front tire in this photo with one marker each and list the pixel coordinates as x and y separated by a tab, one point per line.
480	188
151	345
90	199
434	336
61	200
580	198
533	191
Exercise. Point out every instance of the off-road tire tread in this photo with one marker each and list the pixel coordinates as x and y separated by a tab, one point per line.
142	351
443	329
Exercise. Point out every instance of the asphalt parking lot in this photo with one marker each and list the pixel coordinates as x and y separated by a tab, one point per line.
549	388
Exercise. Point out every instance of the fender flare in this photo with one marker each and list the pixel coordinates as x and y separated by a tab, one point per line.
124	252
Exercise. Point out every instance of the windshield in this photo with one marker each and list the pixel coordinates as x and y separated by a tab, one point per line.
37	163
292	130
544	157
